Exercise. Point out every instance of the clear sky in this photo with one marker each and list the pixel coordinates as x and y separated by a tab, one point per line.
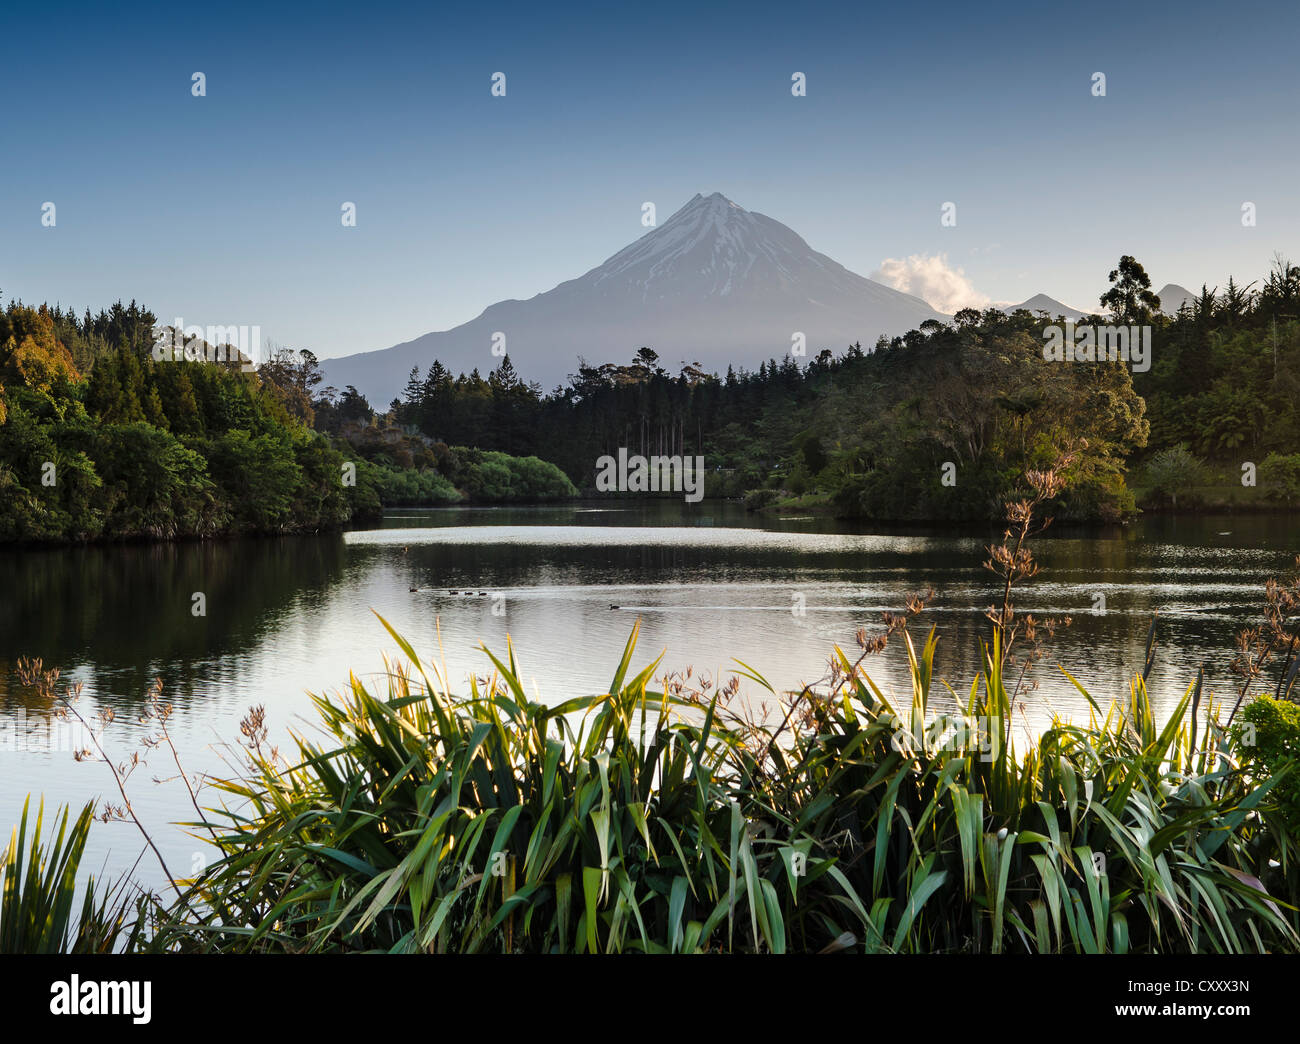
225	209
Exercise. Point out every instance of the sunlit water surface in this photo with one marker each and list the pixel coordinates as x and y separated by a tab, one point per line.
709	583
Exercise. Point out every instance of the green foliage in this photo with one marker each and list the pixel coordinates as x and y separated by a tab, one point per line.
38	893
404	486
656	820
1269	737
153	485
981	403
260	475
1130	298
491	476
173	449
30	351
1279	477
869	431
872	428
1172	472
1226	374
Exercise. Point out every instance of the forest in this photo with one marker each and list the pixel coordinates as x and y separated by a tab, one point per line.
100	441
869	434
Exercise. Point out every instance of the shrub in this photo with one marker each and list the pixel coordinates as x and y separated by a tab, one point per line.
1172	472
395	486
1279	476
1269	738
493	477
38	893
657	820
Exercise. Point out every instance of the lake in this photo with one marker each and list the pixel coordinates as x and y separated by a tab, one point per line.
709	582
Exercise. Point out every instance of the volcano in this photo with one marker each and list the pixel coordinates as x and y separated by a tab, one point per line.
715	284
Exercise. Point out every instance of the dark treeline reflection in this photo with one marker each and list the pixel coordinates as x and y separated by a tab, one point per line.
706	601
118	617
707	582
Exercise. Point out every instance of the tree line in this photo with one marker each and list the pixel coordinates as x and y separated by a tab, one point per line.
98	440
873	433
943	422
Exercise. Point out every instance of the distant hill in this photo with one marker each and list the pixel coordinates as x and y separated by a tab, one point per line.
1173	297
715	283
1043	303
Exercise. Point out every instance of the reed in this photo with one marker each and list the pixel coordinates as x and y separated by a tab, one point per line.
663	816
656	820
39	911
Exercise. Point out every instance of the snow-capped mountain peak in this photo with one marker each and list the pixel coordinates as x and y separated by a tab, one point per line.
714	283
711	245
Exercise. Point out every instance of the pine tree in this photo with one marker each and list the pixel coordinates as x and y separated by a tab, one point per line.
414	388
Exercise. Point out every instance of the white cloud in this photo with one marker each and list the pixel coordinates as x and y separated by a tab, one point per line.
933	280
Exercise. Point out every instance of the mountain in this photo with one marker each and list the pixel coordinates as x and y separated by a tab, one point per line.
1173	297
715	283
1043	303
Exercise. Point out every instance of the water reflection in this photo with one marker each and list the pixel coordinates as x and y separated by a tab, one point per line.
708	582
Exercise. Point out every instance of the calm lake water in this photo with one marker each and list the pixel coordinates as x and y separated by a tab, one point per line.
709	583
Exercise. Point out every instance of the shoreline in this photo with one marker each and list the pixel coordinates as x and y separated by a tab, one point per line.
770	512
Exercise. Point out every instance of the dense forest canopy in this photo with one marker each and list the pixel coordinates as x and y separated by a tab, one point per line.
873	430
100	440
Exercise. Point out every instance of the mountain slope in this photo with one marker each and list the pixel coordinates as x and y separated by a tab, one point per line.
1173	297
715	283
1043	303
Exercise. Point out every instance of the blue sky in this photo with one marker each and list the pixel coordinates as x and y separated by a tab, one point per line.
226	209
